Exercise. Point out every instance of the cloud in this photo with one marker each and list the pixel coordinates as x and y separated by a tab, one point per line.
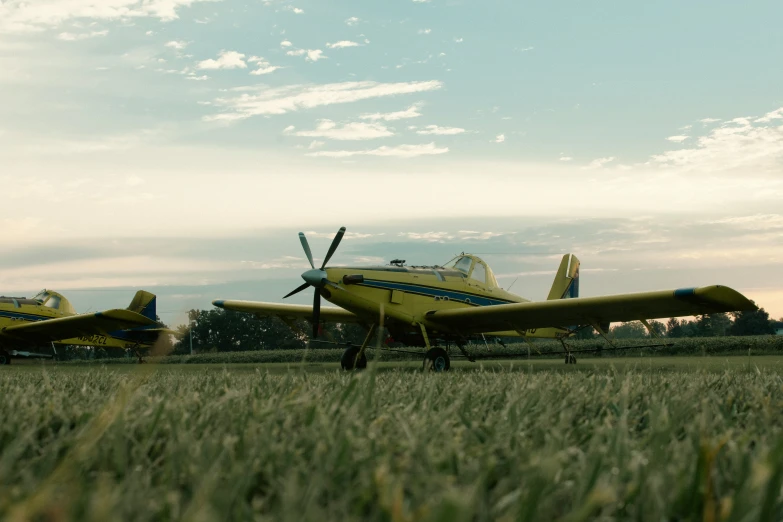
176	44
23	15
740	146
264	67
285	43
351	21
425	31
566	158
709	120
226	60
315	144
71	37
296	10
400	151
311	55
348	131
458	40
441	131
774	115
600	162
677	139
342	44
195	78
410	112
500	138
295	97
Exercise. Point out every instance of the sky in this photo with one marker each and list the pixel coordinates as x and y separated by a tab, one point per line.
180	145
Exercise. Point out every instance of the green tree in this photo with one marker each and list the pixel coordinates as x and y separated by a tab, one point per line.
229	331
629	330
752	322
712	325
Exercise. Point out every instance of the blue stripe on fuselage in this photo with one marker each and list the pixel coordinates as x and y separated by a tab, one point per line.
26	317
476	300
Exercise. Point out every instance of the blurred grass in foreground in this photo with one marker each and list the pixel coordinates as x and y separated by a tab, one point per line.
160	443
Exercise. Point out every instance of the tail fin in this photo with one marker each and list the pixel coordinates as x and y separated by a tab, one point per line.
144	303
566	284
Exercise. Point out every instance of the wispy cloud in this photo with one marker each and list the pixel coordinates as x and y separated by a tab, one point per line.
425	31
342	44
311	55
72	37
264	67
22	16
176	44
347	131
410	112
741	145
296	97
226	60
400	151
500	138
441	131
285	43
351	21
677	139
599	162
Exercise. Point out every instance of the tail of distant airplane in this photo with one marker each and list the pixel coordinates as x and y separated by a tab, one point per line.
144	303
566	283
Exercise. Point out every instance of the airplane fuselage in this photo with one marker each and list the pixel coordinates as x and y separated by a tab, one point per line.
407	293
53	305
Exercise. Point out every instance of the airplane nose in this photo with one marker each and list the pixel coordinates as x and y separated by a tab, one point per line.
315	277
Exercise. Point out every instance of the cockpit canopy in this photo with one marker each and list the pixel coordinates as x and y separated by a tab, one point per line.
54	301
474	268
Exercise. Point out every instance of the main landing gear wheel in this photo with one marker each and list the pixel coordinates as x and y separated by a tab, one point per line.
437	360
349	362
570	359
4	358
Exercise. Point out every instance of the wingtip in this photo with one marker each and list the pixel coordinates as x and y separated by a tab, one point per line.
219	302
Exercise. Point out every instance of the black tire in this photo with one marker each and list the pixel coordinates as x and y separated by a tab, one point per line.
348	360
437	360
4	358
570	359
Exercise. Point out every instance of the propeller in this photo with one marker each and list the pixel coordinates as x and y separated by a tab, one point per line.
316	277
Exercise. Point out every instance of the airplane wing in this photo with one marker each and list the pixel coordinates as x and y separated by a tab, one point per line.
49	330
592	310
287	311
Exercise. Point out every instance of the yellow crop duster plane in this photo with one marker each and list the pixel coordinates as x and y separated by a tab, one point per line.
27	323
422	305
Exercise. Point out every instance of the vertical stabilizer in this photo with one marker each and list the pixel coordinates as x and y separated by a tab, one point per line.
566	283
144	303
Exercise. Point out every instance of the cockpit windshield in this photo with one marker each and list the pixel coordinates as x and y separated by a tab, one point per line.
461	263
474	268
47	299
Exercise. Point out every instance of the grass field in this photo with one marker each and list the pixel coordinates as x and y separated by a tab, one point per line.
641	438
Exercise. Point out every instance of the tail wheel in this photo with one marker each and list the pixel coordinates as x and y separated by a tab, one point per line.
437	360
570	359
4	358
349	359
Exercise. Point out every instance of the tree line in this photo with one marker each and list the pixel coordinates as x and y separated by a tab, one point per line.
227	331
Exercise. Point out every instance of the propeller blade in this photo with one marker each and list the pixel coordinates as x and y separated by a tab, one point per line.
316	312
306	246
333	246
299	289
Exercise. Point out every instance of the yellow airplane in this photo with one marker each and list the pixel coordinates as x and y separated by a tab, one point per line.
426	305
50	318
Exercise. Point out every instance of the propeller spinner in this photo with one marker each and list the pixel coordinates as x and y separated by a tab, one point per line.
316	277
